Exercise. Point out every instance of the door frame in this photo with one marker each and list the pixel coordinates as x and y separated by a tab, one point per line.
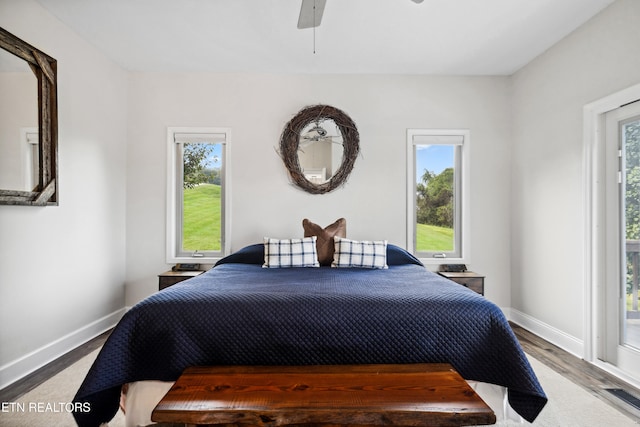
594	220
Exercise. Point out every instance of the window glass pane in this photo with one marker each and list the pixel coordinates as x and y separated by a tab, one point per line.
631	209
202	197
435	198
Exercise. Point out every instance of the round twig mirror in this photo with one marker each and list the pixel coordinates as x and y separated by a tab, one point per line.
305	139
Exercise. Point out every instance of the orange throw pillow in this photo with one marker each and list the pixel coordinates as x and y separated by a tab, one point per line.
324	243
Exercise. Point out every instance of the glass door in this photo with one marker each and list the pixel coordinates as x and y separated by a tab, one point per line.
630	210
622	331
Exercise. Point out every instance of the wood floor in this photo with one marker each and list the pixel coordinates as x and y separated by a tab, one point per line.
588	376
33	380
591	378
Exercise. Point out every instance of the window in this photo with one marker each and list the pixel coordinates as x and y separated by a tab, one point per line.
197	194
437	199
30	156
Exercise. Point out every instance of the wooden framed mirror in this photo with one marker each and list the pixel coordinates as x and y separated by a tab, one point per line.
43	189
319	147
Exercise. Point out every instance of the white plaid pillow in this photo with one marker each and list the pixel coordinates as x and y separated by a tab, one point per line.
282	253
364	254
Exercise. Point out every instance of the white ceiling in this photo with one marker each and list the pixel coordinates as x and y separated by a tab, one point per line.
452	37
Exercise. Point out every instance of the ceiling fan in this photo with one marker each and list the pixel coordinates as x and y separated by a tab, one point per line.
318	134
311	13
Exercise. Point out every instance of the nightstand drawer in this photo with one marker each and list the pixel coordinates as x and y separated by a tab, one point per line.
169	278
468	279
475	284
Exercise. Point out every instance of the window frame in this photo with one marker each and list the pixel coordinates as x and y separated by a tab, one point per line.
174	215
462	201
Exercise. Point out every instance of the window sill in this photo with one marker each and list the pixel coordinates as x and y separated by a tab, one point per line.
438	261
194	260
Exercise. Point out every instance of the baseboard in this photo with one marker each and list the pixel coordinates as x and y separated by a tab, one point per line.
19	368
555	336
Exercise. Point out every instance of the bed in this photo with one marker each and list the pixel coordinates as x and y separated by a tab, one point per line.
239	313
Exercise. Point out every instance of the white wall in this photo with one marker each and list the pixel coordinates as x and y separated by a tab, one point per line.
257	106
548	229
62	267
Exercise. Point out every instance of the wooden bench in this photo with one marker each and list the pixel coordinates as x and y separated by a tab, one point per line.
348	395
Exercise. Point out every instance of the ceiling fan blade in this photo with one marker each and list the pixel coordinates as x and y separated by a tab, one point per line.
311	13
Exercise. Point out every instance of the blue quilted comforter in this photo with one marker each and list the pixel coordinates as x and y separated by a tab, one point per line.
241	314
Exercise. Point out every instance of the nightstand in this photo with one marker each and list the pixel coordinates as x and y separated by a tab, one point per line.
468	279
170	277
